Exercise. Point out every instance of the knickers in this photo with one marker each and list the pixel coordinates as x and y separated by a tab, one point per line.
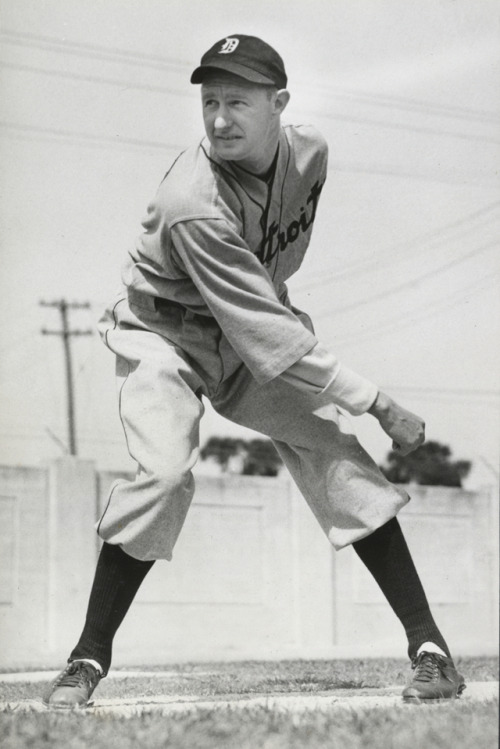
166	362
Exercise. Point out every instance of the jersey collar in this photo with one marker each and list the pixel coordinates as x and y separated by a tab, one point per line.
258	186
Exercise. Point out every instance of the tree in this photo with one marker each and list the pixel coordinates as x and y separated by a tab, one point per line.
258	457
430	465
222	449
262	459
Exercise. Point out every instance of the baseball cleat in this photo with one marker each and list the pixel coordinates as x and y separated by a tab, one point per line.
73	687
435	678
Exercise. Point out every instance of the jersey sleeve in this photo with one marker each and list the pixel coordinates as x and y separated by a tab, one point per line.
319	371
265	334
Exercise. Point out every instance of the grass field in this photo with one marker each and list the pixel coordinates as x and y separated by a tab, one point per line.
455	725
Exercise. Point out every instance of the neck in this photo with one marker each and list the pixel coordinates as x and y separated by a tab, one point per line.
260	166
264	174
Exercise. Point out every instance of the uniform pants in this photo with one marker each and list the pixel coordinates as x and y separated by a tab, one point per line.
167	360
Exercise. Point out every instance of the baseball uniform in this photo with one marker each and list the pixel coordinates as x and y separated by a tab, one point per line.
204	311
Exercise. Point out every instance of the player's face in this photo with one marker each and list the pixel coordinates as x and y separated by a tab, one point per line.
242	120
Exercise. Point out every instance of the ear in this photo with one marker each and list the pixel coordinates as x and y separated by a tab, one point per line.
281	100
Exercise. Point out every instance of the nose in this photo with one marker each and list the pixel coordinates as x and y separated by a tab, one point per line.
222	121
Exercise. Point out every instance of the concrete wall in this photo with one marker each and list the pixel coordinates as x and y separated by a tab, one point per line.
453	537
252	575
47	556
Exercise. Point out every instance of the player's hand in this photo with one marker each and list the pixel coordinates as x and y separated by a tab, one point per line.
406	429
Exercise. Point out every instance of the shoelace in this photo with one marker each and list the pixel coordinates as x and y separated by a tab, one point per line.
426	667
77	674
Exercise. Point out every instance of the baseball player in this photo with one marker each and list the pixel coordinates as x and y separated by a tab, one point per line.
204	312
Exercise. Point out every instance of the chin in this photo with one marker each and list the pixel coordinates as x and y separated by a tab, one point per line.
228	149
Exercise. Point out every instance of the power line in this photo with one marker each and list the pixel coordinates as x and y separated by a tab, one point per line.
84	49
394	253
382	170
43	436
21	436
94	51
414	281
97	79
103	52
28	368
17	343
451	399
53	436
88	138
407	128
70	137
412	105
334	116
455	392
24	359
458	297
49	433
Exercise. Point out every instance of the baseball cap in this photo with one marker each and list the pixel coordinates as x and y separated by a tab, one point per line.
246	56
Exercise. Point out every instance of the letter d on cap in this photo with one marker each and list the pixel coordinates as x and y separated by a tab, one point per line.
229	45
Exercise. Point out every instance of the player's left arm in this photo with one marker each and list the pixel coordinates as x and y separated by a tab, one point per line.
320	371
406	429
266	335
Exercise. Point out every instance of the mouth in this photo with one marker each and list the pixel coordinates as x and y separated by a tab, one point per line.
228	138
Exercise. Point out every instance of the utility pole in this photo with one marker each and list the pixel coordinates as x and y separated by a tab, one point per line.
63	306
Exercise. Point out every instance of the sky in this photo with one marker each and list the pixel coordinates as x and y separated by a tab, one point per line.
402	275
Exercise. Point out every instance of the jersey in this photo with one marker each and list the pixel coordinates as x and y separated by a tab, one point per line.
222	243
206	313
